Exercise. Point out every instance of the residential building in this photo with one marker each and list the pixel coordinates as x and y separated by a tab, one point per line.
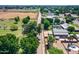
59	32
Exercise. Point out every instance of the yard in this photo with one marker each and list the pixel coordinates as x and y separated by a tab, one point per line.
6	22
7	29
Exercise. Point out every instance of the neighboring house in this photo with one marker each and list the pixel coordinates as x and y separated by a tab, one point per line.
67	14
64	26
59	32
49	15
77	35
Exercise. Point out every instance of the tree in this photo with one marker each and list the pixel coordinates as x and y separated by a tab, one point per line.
8	44
46	24
29	44
50	20
57	12
51	40
71	29
31	26
39	28
54	50
17	19
26	20
57	21
69	19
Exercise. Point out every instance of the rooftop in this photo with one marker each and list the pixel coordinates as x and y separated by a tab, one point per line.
58	30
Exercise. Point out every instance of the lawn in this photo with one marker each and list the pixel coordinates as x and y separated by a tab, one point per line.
75	25
54	50
8	23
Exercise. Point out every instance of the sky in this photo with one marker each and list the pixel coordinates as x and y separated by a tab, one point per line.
39	2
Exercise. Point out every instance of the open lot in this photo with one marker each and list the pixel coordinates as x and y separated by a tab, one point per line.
7	15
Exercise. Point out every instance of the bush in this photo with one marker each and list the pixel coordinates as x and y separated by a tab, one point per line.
17	19
26	20
54	50
29	44
13	28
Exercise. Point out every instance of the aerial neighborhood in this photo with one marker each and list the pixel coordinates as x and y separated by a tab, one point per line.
39	29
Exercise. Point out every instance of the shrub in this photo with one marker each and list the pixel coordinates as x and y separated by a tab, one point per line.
71	29
26	20
54	50
13	28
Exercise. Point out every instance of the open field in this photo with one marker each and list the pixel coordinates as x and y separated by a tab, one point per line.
7	15
8	23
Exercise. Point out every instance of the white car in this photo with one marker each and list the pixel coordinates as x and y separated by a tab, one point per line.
73	47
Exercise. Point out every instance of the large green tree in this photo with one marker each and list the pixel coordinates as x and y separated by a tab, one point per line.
71	29
29	44
31	26
8	44
26	20
46	24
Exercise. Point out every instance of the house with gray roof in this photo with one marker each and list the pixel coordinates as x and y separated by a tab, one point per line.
59	32
64	26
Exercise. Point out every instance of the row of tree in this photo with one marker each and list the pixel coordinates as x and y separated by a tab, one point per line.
9	44
47	22
24	21
60	9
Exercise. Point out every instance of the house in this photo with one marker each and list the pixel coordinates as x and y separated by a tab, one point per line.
77	36
64	26
59	32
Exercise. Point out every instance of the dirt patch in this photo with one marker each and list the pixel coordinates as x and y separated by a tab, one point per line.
7	15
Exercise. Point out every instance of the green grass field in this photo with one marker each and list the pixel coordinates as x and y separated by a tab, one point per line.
8	23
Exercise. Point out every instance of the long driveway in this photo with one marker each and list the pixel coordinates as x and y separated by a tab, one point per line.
41	48
39	18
